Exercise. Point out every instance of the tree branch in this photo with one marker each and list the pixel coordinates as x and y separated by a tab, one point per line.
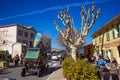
66	20
65	39
87	26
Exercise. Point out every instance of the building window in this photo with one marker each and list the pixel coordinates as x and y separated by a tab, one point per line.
118	51
113	31
100	37
18	40
111	53
106	54
30	44
26	34
118	28
103	53
20	32
97	52
107	34
31	35
26	42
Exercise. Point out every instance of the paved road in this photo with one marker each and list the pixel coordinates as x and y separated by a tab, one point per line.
14	72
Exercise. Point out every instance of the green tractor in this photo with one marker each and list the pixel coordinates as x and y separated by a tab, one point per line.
35	62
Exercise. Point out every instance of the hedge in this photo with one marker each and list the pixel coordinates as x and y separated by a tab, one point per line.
3	55
79	70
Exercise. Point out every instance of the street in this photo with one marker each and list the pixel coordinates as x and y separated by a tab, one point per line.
14	73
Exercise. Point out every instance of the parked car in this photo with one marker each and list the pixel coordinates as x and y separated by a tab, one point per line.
55	56
59	56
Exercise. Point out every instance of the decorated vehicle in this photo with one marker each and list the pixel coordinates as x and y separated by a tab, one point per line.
35	62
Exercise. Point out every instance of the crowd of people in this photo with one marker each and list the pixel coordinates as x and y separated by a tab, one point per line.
107	67
16	59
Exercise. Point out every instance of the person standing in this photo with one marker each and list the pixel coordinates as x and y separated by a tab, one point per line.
96	60
16	60
114	61
107	59
113	70
108	63
21	58
103	71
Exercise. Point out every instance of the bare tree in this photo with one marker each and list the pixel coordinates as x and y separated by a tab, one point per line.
60	39
67	21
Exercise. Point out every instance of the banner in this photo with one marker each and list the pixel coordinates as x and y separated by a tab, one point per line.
37	39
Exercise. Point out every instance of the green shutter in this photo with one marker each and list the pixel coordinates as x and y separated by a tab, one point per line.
100	37
97	52
107	35
111	52
106	54
119	27
113	32
95	41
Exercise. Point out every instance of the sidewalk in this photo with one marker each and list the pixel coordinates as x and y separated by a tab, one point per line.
56	75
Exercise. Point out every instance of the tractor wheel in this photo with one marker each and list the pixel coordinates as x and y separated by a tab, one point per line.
23	72
39	72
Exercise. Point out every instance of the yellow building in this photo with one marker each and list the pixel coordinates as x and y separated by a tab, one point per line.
107	39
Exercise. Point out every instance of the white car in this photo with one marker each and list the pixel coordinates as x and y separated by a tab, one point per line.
59	56
55	57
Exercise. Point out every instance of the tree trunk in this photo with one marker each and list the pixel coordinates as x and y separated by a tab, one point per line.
74	53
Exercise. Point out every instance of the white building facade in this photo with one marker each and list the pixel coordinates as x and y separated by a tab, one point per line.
16	38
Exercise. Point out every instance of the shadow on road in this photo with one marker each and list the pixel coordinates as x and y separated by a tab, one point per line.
50	70
46	72
6	71
2	72
7	78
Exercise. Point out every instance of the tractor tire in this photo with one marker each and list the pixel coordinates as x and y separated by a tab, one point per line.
39	73
23	72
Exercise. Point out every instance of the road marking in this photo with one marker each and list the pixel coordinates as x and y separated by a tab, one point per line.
50	76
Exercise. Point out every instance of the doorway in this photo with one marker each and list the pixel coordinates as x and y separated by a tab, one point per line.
119	51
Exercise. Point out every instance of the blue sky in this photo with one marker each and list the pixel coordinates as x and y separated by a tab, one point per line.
41	13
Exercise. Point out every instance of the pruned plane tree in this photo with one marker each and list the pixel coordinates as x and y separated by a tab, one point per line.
74	41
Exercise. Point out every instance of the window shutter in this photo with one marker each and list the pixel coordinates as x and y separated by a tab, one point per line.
104	53
107	35
111	52
100	37
119	27
113	32
97	52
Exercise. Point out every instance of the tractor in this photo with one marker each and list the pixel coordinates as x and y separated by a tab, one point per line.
35	62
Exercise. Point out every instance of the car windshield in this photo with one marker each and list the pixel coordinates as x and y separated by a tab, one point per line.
54	54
